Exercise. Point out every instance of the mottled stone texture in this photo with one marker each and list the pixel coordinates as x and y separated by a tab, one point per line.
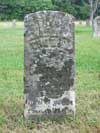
49	64
97	27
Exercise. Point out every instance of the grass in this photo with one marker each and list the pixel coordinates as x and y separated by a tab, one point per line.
87	83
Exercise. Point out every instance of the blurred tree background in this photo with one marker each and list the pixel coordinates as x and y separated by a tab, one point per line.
17	9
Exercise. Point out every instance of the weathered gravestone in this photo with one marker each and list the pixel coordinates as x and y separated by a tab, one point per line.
97	27
49	64
14	23
87	22
80	22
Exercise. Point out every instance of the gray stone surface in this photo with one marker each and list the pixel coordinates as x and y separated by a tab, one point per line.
97	27
14	23
49	64
87	22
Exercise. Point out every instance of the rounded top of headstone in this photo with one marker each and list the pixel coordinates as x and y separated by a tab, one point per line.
49	23
98	17
47	13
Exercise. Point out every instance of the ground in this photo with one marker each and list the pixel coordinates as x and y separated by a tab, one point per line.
87	119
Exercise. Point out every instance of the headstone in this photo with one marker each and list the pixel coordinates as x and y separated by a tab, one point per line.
49	64
14	23
97	27
87	22
80	22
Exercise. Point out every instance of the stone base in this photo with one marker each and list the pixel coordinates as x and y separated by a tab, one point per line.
52	107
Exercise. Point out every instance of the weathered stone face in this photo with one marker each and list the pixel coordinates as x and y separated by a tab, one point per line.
97	27
49	64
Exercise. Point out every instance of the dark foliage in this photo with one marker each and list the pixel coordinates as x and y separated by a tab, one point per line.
14	9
